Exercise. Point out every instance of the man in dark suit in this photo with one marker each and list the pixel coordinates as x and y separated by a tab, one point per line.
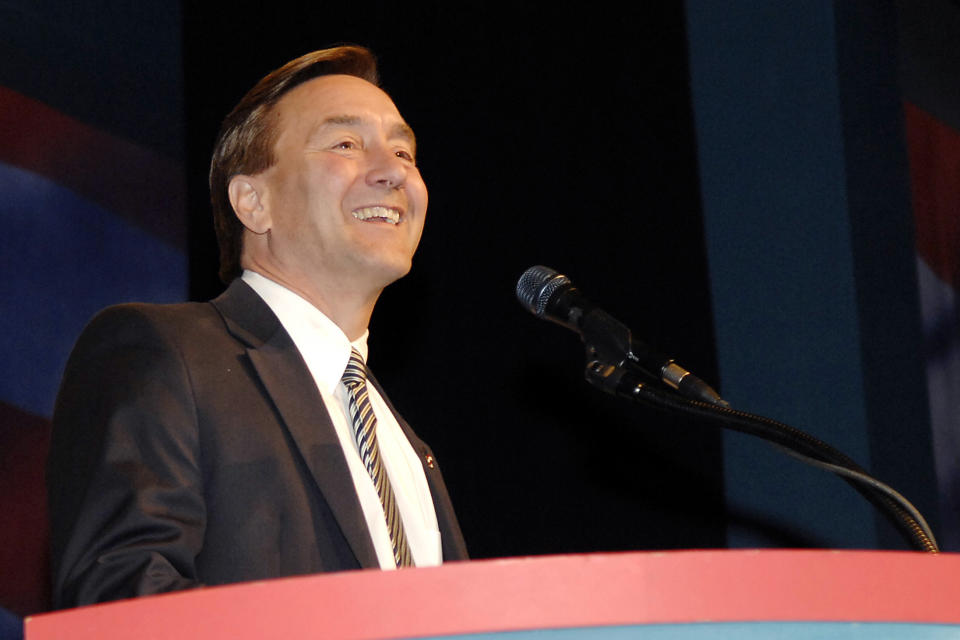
207	443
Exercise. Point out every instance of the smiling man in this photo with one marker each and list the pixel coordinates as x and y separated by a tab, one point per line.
244	438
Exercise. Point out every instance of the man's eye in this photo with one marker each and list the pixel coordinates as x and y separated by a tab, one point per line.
404	155
346	144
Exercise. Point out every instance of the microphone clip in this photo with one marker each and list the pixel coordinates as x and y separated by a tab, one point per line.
614	379
611	362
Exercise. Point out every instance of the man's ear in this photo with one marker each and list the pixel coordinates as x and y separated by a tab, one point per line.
247	199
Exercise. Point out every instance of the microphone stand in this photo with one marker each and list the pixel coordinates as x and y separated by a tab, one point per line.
610	367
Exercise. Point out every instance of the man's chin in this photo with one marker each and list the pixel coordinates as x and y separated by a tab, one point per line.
388	272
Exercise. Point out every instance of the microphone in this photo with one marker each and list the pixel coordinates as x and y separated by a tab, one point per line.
551	296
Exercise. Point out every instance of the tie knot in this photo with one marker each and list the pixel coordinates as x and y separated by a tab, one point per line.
356	372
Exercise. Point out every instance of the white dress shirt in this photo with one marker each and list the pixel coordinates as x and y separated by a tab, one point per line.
326	351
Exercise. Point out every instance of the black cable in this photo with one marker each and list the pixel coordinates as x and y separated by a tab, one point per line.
865	479
620	382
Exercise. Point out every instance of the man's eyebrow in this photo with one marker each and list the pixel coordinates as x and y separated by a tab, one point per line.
403	130
344	120
399	130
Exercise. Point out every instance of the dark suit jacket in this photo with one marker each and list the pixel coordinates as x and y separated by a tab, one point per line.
190	446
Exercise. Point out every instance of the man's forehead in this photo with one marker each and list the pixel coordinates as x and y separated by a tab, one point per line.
342	100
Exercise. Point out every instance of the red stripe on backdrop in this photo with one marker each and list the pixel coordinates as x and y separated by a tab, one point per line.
24	528
134	182
934	151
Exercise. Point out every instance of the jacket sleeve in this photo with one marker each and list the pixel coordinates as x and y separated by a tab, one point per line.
127	511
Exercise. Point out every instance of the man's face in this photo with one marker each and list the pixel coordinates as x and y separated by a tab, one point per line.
346	201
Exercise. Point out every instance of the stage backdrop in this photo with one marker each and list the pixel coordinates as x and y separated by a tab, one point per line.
91	168
929	68
828	152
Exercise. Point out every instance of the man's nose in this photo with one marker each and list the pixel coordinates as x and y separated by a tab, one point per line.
386	169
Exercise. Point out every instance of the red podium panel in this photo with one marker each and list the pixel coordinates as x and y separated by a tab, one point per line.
552	592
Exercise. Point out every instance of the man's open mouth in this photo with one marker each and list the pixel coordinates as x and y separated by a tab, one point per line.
377	214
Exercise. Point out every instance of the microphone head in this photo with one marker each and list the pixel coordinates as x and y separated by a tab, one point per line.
537	285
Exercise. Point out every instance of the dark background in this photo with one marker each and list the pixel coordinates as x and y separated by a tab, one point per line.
547	134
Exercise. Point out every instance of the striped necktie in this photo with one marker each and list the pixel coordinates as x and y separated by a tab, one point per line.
365	432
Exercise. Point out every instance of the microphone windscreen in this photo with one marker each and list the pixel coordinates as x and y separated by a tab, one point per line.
537	285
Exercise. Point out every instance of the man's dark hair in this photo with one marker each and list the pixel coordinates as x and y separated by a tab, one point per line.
248	135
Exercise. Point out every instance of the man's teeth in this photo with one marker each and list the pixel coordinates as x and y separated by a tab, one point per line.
384	213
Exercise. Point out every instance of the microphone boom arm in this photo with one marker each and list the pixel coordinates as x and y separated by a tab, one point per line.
620	381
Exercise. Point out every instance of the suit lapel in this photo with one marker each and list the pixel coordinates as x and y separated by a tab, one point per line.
290	386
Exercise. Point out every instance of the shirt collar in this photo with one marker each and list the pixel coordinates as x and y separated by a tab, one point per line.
323	345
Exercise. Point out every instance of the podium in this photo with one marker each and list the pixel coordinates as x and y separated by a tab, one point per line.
677	594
